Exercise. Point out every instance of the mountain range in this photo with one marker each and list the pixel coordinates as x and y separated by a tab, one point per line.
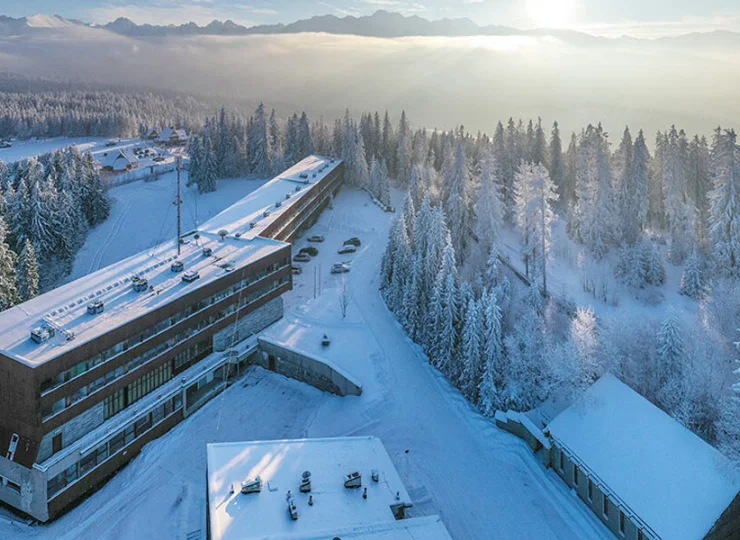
381	24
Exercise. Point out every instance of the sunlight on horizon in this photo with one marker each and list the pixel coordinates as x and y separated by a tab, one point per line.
552	13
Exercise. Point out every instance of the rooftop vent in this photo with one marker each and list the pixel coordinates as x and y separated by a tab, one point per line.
252	224
353	480
189	277
292	508
278	204
41	334
314	175
177	266
297	189
375	475
222	233
304	176
207	252
252	486
139	284
238	235
288	196
306	482
266	213
93	308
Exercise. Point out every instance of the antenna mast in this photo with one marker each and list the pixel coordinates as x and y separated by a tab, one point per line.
178	202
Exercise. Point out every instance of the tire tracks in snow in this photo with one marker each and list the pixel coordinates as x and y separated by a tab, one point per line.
112	235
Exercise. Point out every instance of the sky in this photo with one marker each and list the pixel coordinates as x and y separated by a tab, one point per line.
640	18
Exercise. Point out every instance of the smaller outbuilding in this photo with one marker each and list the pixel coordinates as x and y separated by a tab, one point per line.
640	471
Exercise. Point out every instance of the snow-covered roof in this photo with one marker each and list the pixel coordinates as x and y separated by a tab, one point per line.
66	306
421	528
280	464
287	189
674	481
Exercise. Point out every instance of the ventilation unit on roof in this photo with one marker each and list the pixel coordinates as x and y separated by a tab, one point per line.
375	475
93	308
207	252
292	509
238	235
41	334
177	266
297	189
266	213
353	480
139	284
252	224
222	233
304	176
189	277
252	486
278	204
305	482
288	196
314	175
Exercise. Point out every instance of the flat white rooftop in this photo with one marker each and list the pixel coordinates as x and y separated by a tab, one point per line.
287	189
421	528
676	482
280	465
66	306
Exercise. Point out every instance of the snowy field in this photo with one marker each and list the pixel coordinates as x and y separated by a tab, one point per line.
143	215
483	482
37	147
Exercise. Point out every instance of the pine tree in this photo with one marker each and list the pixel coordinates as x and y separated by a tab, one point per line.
457	205
471	351
489	398
385	186
444	311
679	211
28	272
8	288
258	142
403	152
671	354
725	209
489	208
555	160
305	139
207	181
568	194
417	190
692	279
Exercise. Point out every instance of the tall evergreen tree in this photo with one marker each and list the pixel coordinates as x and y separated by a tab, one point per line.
725	209
28	272
8	288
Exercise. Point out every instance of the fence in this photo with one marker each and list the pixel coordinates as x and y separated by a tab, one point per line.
149	173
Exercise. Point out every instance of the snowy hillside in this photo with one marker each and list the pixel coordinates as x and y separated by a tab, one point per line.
37	147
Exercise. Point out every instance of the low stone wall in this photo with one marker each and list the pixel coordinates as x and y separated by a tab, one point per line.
248	325
304	368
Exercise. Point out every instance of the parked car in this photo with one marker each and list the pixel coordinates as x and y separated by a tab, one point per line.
340	268
347	249
354	241
316	238
5	144
312	251
296	269
302	257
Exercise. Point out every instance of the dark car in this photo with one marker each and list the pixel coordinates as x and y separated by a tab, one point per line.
312	251
354	241
302	257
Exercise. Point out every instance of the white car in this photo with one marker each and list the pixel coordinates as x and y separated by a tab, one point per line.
347	249
340	268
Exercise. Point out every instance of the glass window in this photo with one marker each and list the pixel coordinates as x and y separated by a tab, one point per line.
575	474
621	522
116	443
590	490
606	506
102	453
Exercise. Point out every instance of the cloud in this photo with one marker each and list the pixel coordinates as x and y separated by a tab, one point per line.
654	29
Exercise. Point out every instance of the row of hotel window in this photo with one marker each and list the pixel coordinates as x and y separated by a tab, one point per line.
282	223
115	374
122	346
590	491
108	449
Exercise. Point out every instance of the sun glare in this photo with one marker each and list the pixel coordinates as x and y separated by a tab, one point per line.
551	13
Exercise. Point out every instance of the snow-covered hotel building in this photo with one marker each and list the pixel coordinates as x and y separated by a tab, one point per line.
306	489
92	371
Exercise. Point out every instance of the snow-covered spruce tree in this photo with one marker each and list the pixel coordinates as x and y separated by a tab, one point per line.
568	193
277	151
195	170
692	279
373	181
489	209
671	354
403	152
699	182
259	144
457	205
409	215
652	264
555	160
402	261
292	150
583	335
627	195
207	180
417	191
384	194
43	206
95	203
728	424
305	139
8	259
472	335
388	260
489	398
534	194
679	210
410	311
28	272
725	206
444	311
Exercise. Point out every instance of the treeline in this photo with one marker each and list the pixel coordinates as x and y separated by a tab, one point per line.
47	109
47	205
505	347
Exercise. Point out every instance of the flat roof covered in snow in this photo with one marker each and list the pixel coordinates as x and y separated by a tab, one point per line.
674	481
287	189
280	464
66	307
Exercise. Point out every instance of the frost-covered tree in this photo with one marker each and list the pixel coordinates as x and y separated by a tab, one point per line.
725	206
457	205
417	189
305	138
493	355
207	179
8	259
28	272
535	192
556	162
259	144
472	335
404	152
444	311
671	354
678	209
728	424
583	335
489	209
692	279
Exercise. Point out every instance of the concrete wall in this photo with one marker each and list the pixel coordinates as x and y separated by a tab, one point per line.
596	502
250	324
32	496
73	430
306	369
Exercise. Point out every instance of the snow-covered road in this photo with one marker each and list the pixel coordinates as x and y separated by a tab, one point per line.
484	483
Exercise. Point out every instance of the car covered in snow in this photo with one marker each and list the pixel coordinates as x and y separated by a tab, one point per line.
302	257
347	249
340	268
296	269
354	241
310	250
316	238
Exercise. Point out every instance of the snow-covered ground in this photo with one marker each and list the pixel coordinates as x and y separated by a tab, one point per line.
143	215
483	482
36	147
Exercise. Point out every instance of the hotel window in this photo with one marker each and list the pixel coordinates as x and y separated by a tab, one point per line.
639	534
590	490
606	506
562	461
575	474
621	522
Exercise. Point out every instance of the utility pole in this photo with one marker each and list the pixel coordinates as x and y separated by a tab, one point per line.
178	202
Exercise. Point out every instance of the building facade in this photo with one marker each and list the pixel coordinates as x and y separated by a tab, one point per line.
83	390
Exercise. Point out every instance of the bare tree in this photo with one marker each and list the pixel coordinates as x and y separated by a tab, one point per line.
344	297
